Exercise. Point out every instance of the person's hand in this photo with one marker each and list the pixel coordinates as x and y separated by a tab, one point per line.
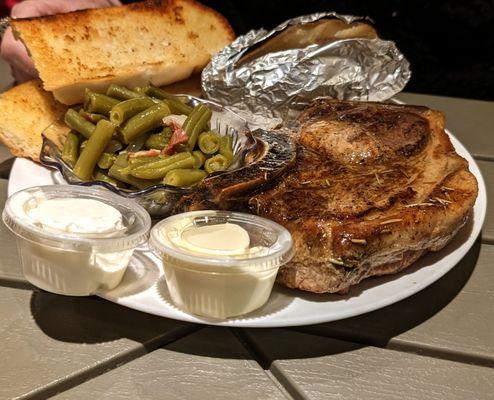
14	52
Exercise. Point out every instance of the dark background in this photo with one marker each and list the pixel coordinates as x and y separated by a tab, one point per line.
450	44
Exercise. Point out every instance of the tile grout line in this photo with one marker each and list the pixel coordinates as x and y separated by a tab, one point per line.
482	157
286	382
278	383
288	387
396	345
429	351
16	283
488	241
110	364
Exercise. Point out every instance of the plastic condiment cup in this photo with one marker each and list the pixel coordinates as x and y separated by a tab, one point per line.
218	285
75	264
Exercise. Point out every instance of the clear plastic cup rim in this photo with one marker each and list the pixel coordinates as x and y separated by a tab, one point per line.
279	253
135	234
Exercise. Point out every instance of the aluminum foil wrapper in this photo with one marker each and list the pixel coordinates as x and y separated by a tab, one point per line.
275	86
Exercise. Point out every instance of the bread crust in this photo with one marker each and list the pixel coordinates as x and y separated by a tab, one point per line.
27	110
154	41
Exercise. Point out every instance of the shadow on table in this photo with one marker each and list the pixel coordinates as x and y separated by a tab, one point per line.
374	328
378	327
94	320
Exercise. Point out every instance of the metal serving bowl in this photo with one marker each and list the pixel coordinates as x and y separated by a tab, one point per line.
159	200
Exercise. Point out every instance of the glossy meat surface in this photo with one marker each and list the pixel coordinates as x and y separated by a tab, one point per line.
374	186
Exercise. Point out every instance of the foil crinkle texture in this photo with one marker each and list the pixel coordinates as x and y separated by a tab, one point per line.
277	85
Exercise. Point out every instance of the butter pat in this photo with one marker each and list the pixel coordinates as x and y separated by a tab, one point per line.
220	264
221	239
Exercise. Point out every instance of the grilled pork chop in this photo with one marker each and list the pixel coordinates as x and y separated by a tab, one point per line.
374	187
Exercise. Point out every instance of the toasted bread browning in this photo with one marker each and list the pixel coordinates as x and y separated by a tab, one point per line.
154	41
26	111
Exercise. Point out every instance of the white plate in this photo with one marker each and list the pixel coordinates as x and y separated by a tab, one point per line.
143	287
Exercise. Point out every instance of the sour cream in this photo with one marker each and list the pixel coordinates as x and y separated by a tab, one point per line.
76	216
75	240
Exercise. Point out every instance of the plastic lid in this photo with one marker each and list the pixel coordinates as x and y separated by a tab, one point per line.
136	220
269	244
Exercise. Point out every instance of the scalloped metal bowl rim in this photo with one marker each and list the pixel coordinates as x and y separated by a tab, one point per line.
62	167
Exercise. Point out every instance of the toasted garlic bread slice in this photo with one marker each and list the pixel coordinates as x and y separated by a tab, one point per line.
27	110
160	41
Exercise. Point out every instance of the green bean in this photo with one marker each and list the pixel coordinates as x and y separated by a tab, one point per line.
184	177
167	132
113	146
195	123
76	122
121	92
159	140
70	151
226	148
192	121
136	161
161	94
208	142
106	160
136	144
194	116
216	163
158	169
143	122
119	171
181	148
102	177
128	108
176	106
99	103
120	165
82	145
200	158
94	148
140	90
91	117
164	161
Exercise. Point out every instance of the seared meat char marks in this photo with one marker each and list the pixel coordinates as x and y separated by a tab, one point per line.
369	133
366	196
372	188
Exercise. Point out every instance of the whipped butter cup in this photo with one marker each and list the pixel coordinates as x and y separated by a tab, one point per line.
220	284
76	264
